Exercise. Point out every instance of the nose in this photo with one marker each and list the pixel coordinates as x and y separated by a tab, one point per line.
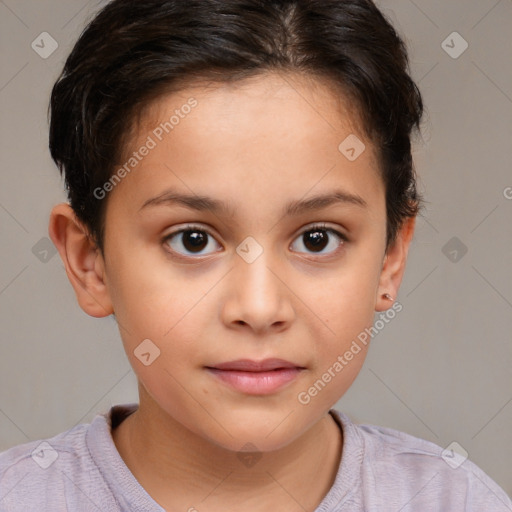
258	297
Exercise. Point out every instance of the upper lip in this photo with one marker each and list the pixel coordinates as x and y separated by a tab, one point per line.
248	365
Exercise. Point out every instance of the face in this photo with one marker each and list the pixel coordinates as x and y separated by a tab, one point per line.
247	268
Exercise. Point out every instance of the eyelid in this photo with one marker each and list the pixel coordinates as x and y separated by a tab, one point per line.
190	227
324	226
307	227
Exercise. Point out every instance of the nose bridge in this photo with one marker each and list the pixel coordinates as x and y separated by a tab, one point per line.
253	274
258	297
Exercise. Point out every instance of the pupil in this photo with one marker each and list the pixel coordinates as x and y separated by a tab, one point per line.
192	240
315	239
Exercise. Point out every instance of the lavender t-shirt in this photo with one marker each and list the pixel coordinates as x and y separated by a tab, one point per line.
381	470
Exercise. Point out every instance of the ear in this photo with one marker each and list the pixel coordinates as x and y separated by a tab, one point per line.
82	259
394	265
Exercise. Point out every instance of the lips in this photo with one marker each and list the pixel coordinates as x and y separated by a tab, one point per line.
248	365
256	377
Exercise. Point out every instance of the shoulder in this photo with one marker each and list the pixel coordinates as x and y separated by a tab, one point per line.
52	471
403	471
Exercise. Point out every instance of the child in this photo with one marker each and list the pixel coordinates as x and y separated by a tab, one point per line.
242	198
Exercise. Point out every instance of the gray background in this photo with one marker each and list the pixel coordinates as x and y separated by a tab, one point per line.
441	370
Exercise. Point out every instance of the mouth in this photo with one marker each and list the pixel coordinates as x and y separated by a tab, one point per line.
256	377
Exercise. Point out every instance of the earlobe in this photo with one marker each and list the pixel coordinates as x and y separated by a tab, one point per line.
393	267
82	259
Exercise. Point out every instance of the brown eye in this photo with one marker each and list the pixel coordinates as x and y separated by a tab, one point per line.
318	238
315	240
191	240
194	241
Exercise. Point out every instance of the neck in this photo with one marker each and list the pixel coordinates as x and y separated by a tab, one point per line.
179	468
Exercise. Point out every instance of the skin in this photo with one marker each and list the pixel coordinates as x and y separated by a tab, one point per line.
257	145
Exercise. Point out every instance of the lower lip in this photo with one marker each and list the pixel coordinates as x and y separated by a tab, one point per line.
257	383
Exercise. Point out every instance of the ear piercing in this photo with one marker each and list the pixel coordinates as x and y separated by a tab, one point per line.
387	296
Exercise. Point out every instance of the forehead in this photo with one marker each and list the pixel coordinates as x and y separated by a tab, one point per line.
274	136
298	95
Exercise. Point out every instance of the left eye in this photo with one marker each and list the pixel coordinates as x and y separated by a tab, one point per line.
316	238
195	240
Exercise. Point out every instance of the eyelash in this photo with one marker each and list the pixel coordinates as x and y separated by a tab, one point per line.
196	228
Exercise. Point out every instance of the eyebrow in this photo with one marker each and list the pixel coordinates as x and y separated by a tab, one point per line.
294	208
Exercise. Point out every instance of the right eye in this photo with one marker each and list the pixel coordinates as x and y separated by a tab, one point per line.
193	239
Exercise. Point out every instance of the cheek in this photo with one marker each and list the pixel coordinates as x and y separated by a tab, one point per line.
152	300
345	309
345	304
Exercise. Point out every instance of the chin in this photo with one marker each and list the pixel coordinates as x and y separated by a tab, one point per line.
266	433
